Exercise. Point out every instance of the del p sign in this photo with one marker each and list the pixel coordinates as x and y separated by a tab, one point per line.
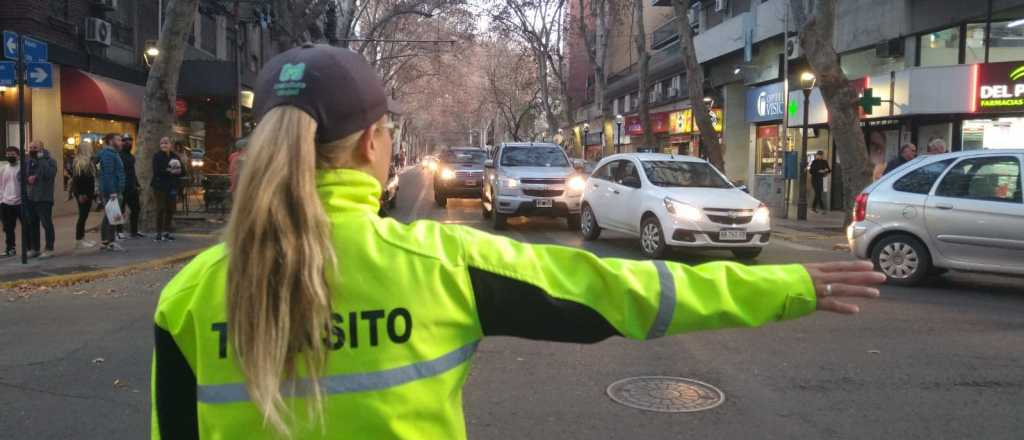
1000	87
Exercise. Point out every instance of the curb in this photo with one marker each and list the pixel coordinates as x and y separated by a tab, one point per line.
81	277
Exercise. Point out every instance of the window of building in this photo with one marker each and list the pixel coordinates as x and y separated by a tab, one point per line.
208	33
921	180
992	133
941	48
865	63
984	178
1007	42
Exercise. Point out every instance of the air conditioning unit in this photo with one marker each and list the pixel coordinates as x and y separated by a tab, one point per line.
793	48
97	31
889	48
110	5
721	5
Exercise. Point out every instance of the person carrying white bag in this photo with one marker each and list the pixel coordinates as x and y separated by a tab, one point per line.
112	181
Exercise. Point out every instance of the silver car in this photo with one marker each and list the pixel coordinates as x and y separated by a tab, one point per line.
531	180
958	211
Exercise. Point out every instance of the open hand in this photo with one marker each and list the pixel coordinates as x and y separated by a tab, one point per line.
852	279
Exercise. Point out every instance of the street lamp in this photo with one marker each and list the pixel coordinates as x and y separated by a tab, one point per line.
807	81
618	135
150	53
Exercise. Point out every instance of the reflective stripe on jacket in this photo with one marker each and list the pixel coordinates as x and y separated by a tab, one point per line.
412	302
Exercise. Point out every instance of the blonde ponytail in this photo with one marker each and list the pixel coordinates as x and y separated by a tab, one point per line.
279	245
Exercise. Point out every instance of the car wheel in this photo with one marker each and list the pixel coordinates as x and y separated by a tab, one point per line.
746	253
573	221
498	220
652	240
588	224
441	200
903	259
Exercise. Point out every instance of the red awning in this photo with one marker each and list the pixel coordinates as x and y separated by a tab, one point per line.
82	92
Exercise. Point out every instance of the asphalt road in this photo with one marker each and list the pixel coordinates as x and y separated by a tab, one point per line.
935	362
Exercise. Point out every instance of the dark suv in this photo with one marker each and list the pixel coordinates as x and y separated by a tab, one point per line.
460	174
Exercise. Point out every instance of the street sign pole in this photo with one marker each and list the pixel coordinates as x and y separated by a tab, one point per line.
20	72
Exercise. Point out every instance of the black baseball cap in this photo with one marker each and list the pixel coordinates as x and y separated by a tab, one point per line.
335	86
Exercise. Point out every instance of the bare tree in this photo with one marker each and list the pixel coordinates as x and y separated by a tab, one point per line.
640	38
695	85
816	36
161	93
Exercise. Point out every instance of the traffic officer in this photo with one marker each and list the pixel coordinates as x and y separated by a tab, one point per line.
318	319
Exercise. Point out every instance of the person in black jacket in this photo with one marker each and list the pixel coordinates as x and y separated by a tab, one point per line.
819	169
131	190
83	189
167	167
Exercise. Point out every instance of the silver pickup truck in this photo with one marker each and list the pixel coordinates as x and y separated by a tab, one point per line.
531	180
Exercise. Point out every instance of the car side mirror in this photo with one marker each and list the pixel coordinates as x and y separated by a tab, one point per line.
489	163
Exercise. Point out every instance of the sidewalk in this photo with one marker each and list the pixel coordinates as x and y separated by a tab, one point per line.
825	225
195	234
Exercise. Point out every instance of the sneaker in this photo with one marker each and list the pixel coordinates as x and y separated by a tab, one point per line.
45	255
138	235
159	237
10	253
120	236
168	237
33	254
84	244
113	247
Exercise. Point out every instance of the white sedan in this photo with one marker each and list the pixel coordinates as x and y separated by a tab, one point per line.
672	201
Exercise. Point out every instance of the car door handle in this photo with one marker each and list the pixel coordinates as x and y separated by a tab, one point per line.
944	206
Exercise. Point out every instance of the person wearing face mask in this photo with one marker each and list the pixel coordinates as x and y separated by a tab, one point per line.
10	199
166	170
42	172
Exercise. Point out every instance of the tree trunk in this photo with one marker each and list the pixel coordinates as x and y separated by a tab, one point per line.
695	86
816	38
545	86
347	9
161	93
645	60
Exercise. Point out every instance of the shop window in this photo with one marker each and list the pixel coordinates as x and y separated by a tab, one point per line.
921	180
985	178
992	133
865	63
1007	42
769	152
940	48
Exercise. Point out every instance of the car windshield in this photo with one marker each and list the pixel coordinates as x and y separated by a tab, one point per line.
466	157
533	157
674	173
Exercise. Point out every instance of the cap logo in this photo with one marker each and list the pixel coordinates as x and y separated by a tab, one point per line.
289	81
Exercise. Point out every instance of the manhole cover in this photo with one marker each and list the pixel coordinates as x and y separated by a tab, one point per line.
665	394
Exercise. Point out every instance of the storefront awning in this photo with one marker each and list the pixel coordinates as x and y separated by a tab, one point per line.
86	93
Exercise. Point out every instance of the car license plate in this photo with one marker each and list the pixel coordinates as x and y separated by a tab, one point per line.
732	235
470	182
544	203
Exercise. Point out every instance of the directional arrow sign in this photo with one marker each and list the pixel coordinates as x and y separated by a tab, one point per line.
35	51
10	45
40	75
7	77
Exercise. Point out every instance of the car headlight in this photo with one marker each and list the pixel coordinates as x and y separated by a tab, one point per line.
683	211
576	183
509	183
762	215
447	174
432	166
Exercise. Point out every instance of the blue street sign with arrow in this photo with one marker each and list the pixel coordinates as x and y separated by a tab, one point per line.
40	75
7	76
10	45
35	51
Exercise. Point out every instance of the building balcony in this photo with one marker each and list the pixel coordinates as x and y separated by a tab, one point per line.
664	35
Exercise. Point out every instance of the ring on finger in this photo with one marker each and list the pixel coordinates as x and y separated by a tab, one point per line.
828	289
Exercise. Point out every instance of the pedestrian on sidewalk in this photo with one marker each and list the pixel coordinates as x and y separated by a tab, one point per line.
131	191
10	199
907	153
112	183
819	169
83	190
42	173
318	319
166	170
936	146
